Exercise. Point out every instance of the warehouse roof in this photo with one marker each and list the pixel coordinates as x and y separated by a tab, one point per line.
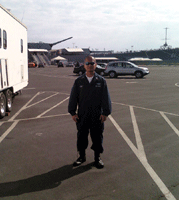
74	50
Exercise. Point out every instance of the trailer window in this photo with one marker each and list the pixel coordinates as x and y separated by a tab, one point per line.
0	39
21	46
4	39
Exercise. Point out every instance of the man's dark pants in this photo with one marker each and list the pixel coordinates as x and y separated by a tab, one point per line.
93	126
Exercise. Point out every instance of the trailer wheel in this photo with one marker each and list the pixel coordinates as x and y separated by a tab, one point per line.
2	105
8	100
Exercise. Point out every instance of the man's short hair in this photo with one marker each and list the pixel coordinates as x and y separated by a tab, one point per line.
90	57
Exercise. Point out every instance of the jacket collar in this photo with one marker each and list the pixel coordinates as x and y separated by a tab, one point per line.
95	77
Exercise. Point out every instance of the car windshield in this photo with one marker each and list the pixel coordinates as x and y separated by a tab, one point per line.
134	65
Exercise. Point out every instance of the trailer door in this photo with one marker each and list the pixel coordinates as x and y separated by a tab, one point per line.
1	83
4	82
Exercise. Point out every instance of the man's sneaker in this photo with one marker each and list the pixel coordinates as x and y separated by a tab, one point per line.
99	163
79	161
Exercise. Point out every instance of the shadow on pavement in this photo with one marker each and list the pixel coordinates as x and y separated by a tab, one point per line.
45	181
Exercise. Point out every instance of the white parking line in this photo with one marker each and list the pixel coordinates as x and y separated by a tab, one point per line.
42	99
177	84
4	135
43	117
23	108
15	122
52	107
170	123
168	195
137	134
122	104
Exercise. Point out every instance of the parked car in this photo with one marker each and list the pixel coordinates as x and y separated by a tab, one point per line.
41	65
100	70
60	64
102	64
121	68
70	64
32	65
81	70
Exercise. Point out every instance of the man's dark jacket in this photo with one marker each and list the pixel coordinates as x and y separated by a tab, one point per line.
91	99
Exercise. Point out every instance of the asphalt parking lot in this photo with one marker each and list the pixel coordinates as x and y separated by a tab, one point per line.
141	141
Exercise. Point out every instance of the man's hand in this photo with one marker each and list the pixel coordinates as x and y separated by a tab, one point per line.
103	118
75	118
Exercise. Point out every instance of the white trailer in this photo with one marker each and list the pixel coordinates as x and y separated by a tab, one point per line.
13	59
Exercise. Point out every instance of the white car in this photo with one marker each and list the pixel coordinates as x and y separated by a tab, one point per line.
121	68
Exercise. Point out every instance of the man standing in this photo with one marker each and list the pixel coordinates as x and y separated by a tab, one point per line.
90	96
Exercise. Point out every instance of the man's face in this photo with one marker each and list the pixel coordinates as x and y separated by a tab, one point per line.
90	65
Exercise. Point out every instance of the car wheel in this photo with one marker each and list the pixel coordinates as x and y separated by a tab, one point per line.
2	105
80	73
112	74
102	73
138	74
8	100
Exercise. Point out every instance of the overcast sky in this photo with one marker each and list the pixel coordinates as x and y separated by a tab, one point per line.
99	24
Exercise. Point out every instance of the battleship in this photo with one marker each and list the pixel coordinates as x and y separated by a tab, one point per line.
164	55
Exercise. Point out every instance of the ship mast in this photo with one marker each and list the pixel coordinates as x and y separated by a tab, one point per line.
165	46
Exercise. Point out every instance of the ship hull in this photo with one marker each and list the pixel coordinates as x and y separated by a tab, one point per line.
168	56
